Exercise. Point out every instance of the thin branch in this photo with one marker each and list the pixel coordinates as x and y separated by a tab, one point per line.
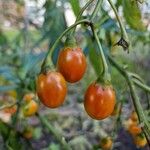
123	31
81	12
52	130
99	2
141	85
50	51
137	105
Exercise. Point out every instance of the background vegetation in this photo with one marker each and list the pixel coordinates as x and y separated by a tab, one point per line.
28	29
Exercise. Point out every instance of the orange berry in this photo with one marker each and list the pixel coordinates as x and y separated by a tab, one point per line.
99	101
30	108
140	140
134	116
134	129
106	143
28	97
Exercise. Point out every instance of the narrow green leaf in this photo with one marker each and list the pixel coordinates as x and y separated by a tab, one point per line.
75	6
95	58
132	14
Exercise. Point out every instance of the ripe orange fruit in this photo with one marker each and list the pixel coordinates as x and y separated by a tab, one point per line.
72	63
51	89
134	129
106	143
134	116
99	101
140	140
30	108
28	97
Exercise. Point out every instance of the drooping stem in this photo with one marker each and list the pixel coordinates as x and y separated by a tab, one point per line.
53	131
135	99
123	31
138	81
50	51
99	2
81	12
136	76
105	66
138	107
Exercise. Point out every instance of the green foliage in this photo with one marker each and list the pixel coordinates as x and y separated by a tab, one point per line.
94	58
21	62
132	14
75	6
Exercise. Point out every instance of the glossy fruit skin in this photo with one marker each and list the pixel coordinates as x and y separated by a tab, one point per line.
51	89
72	64
140	141
30	108
99	101
106	143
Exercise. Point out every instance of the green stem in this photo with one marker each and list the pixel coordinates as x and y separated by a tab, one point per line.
123	31
52	130
50	51
117	120
81	12
105	66
141	85
135	99
137	106
99	2
136	76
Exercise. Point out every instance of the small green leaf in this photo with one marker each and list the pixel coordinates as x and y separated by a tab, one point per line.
75	6
132	14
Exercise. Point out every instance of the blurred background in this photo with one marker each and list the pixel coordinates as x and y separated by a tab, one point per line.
28	28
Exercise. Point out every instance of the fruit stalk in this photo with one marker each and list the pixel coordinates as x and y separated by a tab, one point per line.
96	9
50	51
81	12
105	66
123	31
